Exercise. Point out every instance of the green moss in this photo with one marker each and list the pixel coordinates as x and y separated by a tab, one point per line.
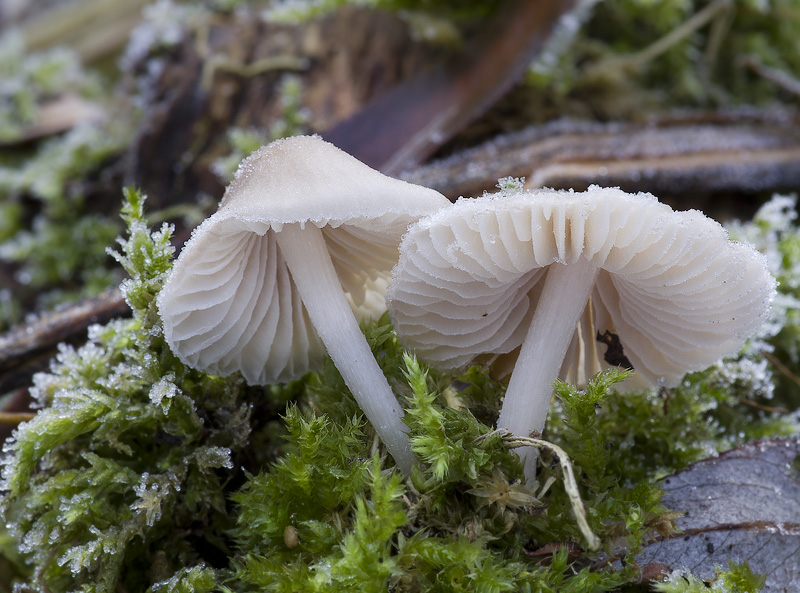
632	57
30	80
141	473
43	184
125	463
47	177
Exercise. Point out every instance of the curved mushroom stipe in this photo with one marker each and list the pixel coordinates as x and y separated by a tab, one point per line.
471	281
312	271
561	303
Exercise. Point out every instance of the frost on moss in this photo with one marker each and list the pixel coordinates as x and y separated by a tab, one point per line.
29	81
737	578
140	473
124	465
774	232
47	177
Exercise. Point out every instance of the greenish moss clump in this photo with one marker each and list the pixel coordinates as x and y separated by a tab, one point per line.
32	80
141	474
125	464
630	58
738	578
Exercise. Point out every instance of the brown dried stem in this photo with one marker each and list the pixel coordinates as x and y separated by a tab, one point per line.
14	418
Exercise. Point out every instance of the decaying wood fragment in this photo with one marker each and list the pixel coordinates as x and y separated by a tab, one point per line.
93	28
744	151
60	115
16	407
402	128
741	505
27	348
229	73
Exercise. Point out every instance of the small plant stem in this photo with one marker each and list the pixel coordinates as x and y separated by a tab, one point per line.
564	297
697	21
782	368
15	418
570	484
312	271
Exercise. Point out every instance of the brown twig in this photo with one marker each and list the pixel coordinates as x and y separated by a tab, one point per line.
14	418
782	368
758	406
93	28
26	348
777	77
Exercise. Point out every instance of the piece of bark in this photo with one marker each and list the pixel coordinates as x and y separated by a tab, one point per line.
94	29
17	404
742	506
745	151
60	115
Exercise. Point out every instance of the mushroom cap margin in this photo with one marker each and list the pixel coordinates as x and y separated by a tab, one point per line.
672	286
229	303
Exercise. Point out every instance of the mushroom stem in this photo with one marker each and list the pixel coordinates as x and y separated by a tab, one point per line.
564	297
312	271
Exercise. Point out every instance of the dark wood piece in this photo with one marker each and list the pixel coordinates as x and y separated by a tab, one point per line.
402	128
680	157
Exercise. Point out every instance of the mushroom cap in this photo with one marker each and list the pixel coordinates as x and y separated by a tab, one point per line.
675	291
230	304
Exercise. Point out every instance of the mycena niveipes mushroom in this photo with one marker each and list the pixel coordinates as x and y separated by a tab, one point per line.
549	271
300	249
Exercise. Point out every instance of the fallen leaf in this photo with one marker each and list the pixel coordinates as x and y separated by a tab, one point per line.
743	506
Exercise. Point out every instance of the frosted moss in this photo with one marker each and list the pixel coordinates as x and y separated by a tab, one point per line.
139	472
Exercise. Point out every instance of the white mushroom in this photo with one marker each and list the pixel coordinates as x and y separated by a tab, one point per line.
552	272
300	249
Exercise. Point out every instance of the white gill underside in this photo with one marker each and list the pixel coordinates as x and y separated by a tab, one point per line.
679	296
231	304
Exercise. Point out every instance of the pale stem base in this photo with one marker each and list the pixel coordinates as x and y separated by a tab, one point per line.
563	299
314	276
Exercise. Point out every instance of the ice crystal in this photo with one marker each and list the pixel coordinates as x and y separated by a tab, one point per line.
152	492
163	25
128	445
162	392
753	376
